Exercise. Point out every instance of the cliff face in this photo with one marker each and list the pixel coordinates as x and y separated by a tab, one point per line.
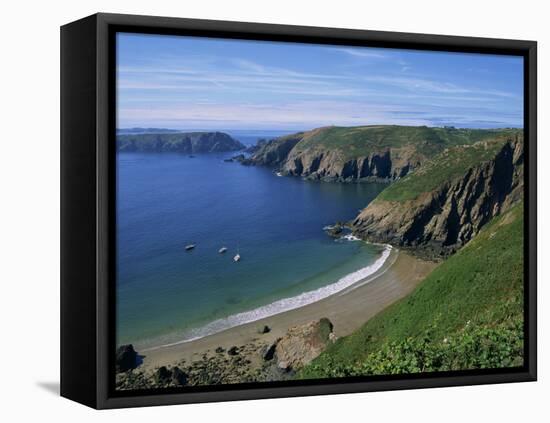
319	164
439	221
186	142
273	153
361	153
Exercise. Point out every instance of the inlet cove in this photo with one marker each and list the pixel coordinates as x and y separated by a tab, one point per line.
252	256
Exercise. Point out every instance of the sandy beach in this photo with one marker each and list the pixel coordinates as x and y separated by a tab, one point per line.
347	310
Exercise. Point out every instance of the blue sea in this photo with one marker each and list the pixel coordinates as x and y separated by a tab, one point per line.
168	295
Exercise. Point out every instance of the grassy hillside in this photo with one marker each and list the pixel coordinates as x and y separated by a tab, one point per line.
362	140
467	314
450	164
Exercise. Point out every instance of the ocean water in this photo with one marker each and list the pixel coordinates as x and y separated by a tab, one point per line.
165	201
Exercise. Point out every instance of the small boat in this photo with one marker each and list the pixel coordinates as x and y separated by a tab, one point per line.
237	257
190	247
278	174
222	250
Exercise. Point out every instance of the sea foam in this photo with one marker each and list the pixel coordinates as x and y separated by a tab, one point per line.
350	237
284	304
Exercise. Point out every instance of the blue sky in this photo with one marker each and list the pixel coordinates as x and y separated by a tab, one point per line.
200	83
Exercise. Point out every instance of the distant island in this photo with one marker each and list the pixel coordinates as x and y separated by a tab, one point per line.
178	142
122	131
454	204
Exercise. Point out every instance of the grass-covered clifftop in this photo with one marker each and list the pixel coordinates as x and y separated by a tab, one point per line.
451	163
467	314
364	152
180	142
362	140
445	202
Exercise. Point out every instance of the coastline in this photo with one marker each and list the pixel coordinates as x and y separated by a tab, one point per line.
285	304
347	309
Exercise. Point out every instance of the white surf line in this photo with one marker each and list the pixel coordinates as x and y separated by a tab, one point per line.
283	305
373	277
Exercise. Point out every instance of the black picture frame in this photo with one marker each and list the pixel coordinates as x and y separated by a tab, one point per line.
88	200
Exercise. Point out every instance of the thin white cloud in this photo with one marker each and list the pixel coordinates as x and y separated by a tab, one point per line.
223	92
308	114
419	84
362	52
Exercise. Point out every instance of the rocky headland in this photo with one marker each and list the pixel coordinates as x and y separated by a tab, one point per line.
181	142
365	153
446	183
444	204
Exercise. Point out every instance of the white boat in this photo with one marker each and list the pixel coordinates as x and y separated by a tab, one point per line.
222	250
190	247
237	257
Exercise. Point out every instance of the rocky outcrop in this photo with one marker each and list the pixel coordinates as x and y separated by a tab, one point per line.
269	351
301	344
350	154
386	164
126	358
438	222
273	153
256	147
320	163
166	377
185	142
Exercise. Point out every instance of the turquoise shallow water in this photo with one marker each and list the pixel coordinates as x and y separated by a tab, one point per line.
166	201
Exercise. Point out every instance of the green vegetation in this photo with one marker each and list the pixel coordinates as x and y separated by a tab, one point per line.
181	142
363	140
452	163
467	314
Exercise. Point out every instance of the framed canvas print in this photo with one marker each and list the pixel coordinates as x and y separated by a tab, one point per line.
256	211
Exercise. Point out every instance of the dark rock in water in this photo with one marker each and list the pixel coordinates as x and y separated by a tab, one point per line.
219	350
265	329
179	377
238	158
335	231
269	351
126	358
233	351
163	375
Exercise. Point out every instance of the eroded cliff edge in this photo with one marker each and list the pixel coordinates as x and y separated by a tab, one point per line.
441	206
351	154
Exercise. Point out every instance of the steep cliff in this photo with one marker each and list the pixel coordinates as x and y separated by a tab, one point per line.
273	153
386	152
442	205
184	142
